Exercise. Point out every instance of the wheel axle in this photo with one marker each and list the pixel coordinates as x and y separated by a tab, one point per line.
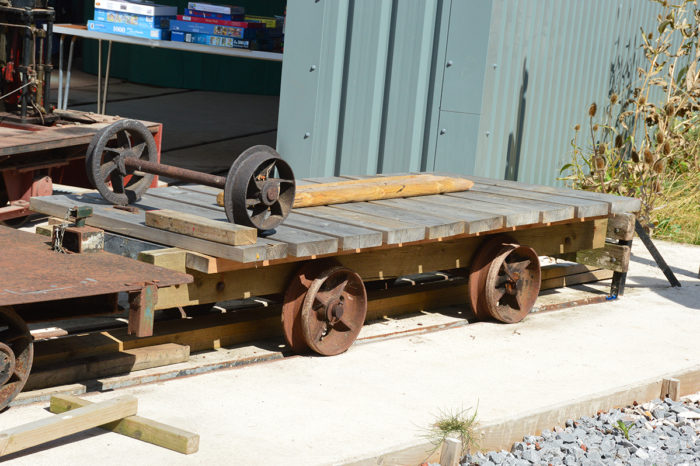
258	191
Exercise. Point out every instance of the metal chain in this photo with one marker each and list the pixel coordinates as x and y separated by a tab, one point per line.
57	244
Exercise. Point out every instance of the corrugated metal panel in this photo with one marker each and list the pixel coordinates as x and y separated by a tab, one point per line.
365	109
547	62
366	87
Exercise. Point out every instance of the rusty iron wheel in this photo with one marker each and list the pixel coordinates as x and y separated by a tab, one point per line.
478	270
259	189
512	283
104	161
16	355
334	311
293	301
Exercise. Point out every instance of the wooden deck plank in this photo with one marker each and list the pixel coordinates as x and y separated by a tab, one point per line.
619	204
475	222
133	224
349	237
457	207
393	231
548	213
300	243
583	208
513	216
435	226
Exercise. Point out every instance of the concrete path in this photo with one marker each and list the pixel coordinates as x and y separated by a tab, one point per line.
383	396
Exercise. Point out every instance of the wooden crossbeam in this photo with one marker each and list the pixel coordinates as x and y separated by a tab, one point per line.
137	427
45	430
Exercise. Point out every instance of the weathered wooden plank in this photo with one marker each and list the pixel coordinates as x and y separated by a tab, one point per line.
201	227
304	243
25	142
435	227
575	279
584	208
474	222
300	243
548	213
618	204
393	231
349	237
44	430
136	427
611	257
133	224
115	363
513	216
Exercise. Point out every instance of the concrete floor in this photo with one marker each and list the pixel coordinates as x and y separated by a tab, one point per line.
382	396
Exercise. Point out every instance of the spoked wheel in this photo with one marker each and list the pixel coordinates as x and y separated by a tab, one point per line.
105	161
259	189
16	354
324	309
504	280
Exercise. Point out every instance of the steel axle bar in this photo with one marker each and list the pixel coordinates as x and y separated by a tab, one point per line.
177	173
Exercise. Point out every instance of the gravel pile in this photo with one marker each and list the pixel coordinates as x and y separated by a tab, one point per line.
660	432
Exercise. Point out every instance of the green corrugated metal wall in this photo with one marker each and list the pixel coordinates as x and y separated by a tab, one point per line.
480	87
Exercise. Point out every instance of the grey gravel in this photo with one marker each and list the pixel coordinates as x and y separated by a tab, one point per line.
660	432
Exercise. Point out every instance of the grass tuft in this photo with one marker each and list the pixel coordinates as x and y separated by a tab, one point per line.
458	424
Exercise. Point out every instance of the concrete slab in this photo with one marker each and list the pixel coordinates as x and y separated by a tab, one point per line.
382	396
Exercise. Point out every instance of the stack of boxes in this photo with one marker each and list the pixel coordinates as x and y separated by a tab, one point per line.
226	26
146	20
202	23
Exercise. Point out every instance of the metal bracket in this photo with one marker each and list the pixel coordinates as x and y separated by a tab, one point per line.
141	310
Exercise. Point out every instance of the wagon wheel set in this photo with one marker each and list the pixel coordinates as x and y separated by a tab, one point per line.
325	304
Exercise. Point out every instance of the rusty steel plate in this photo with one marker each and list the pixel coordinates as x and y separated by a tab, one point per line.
31	272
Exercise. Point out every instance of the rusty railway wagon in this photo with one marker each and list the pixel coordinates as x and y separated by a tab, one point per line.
34	156
320	258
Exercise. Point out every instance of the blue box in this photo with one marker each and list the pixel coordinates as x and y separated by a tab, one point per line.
128	30
216	29
131	19
208	39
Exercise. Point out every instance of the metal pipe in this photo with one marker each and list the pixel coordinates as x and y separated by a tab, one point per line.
59	102
48	66
99	72
70	64
177	173
109	59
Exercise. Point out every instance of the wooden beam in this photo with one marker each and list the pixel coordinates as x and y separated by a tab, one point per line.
107	364
46	430
671	388
136	427
613	257
576	279
168	258
621	226
201	227
373	189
